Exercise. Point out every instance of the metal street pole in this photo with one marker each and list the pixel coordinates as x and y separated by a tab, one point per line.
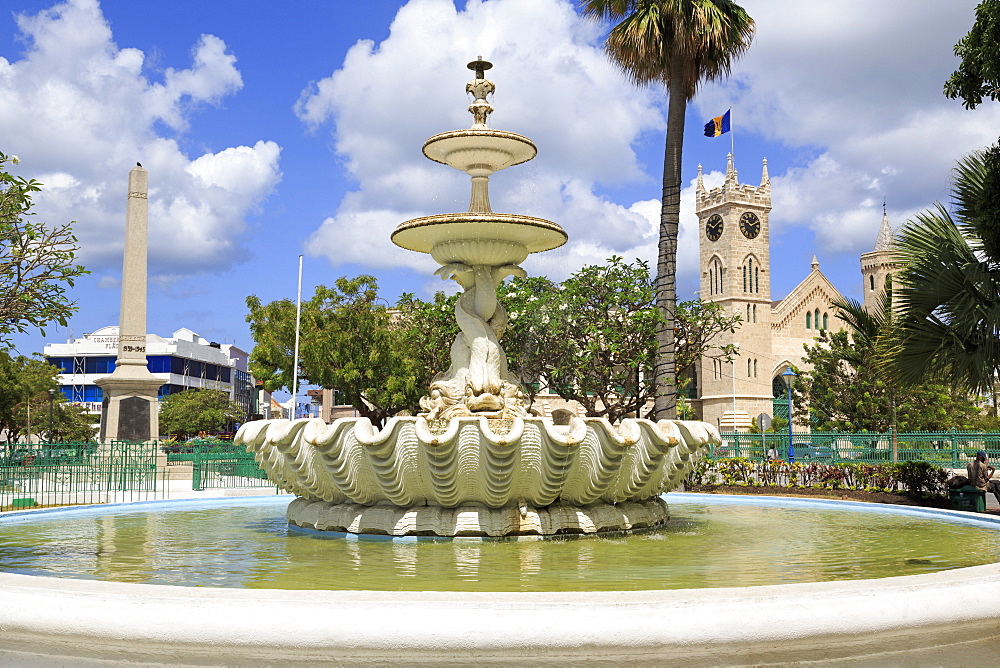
295	359
736	347
52	397
788	377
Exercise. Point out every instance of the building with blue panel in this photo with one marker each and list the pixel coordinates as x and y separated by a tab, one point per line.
184	361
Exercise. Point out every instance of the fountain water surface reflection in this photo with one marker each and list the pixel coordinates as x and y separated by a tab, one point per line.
710	542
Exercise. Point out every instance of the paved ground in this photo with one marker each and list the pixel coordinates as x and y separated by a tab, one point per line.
181	489
992	507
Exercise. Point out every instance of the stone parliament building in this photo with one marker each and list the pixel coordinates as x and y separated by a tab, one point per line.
735	264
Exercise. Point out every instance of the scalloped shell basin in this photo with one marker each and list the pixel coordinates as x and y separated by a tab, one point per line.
492	463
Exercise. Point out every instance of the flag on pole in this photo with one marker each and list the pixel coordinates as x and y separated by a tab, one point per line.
718	125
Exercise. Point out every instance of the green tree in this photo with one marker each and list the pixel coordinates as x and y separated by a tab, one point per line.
680	43
847	391
73	423
23	380
348	341
949	288
872	331
978	75
36	261
533	343
428	329
70	422
196	410
592	338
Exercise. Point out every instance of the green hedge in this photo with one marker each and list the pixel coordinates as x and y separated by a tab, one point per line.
914	477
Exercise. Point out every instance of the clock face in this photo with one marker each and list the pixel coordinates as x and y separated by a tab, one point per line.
713	228
749	225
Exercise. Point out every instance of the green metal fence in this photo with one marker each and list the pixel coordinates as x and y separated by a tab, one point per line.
949	449
63	474
225	466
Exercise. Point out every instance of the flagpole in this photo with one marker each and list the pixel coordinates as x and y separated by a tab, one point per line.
295	357
732	141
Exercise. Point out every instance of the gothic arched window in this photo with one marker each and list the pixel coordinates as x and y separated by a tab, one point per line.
824	321
871	282
809	320
756	279
715	276
816	318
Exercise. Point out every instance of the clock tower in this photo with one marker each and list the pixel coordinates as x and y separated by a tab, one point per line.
735	266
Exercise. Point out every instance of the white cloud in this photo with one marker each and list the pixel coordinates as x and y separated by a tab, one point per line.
360	235
80	111
850	89
109	282
857	84
554	85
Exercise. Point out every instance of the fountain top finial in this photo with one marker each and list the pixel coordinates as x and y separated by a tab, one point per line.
480	87
479	66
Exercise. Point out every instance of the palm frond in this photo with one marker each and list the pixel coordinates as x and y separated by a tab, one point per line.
948	297
976	192
654	41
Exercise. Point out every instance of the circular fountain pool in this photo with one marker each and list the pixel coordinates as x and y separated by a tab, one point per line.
567	601
710	541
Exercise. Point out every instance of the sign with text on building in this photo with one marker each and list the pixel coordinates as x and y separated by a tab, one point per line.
110	342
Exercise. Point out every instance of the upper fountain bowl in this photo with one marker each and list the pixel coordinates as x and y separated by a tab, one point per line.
479	148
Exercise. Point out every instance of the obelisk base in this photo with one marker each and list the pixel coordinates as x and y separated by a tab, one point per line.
130	411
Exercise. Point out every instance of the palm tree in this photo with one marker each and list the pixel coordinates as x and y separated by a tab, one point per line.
679	43
949	289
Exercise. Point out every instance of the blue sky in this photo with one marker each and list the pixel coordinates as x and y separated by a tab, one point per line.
274	129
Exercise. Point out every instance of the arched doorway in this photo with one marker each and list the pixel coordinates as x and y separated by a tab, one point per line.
779	406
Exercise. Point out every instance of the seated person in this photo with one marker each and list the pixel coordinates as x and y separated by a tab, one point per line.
981	474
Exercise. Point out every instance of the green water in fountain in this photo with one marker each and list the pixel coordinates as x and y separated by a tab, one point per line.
708	543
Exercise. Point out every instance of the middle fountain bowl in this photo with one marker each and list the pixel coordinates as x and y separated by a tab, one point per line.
476	462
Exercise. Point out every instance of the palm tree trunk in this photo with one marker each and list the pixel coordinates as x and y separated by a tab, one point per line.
665	371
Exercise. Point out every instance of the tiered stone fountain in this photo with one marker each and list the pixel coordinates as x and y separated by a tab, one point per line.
481	465
475	462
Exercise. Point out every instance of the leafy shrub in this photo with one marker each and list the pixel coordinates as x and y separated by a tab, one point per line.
737	471
700	475
921	477
914	477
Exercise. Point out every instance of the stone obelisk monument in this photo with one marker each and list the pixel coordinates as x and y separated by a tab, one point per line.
130	411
